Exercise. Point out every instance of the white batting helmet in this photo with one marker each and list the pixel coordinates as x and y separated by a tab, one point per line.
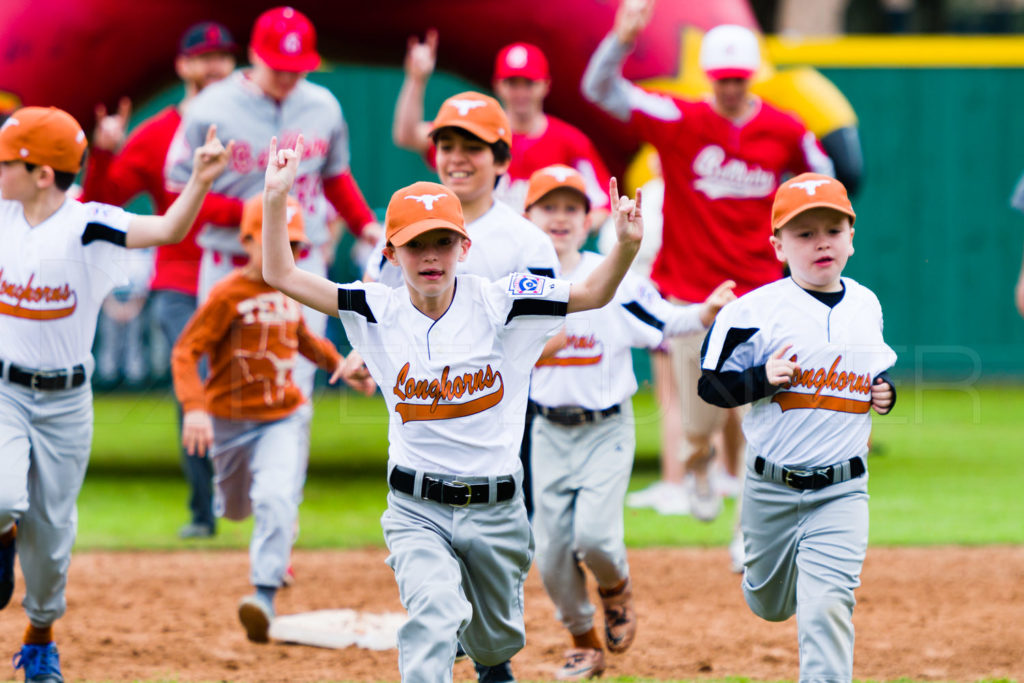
729	51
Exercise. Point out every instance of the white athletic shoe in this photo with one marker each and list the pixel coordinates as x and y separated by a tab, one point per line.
647	497
736	552
705	503
674	500
726	484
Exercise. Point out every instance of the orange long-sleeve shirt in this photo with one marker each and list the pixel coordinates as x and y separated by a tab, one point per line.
251	333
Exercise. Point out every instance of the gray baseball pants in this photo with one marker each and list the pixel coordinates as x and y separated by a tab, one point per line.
804	553
580	477
45	440
259	469
460	574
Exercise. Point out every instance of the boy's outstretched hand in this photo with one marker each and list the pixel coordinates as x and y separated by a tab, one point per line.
212	158
722	295
626	215
420	58
632	18
282	167
881	396
779	370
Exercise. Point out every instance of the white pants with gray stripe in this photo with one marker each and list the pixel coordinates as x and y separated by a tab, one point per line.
580	477
259	469
804	554
460	574
45	440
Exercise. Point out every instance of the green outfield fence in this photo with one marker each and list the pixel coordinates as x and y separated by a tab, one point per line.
943	148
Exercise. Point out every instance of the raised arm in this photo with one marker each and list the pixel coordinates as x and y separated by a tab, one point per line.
208	163
279	269
409	130
603	83
599	287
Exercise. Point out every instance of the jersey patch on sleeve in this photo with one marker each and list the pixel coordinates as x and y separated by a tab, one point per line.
99	232
520	284
355	300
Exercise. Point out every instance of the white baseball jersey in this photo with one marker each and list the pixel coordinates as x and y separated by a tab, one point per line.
245	114
54	277
595	368
456	387
821	418
503	242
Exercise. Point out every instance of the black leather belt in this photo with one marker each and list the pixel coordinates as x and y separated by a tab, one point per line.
43	379
574	416
454	492
810	479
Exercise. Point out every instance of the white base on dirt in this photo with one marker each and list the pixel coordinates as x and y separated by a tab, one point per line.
339	628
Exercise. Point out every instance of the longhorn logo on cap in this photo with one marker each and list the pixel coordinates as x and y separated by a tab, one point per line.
427	200
810	186
465	106
559	173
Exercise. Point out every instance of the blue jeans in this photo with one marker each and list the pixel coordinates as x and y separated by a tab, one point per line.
173	310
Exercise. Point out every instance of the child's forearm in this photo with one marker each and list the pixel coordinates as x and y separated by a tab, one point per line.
278	260
731	389
170	228
599	287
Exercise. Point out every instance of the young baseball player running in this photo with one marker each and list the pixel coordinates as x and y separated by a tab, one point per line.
246	415
807	352
60	259
583	437
455	354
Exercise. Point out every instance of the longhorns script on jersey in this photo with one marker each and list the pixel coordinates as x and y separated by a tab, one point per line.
27	294
447	388
820	379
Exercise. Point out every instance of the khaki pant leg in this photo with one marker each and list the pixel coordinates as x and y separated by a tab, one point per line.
700	419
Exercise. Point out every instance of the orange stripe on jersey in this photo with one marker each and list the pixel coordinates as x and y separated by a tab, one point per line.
570	361
790	400
411	412
36	314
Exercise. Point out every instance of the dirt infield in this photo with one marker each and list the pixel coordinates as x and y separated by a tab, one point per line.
950	614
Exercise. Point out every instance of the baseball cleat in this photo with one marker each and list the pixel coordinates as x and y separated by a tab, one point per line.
8	550
499	673
619	617
256	613
705	503
580	664
40	662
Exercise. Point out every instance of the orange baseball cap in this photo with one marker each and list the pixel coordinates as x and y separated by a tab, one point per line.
252	220
420	207
285	39
552	178
521	60
46	136
477	113
809	191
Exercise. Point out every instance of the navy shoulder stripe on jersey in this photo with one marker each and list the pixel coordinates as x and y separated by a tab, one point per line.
545	272
98	231
536	307
355	300
643	315
733	338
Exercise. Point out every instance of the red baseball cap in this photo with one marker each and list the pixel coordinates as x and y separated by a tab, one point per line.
521	60
285	39
206	36
809	191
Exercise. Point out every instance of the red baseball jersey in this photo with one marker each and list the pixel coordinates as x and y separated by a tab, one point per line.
720	178
139	167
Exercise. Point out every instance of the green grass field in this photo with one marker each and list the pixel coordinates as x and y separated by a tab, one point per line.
945	470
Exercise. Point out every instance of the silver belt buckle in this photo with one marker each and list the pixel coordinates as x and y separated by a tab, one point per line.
789	474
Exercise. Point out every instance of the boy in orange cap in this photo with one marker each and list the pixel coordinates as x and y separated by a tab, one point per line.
807	352
59	261
583	436
246	416
454	354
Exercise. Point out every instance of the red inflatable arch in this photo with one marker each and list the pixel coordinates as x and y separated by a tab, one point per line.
76	53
